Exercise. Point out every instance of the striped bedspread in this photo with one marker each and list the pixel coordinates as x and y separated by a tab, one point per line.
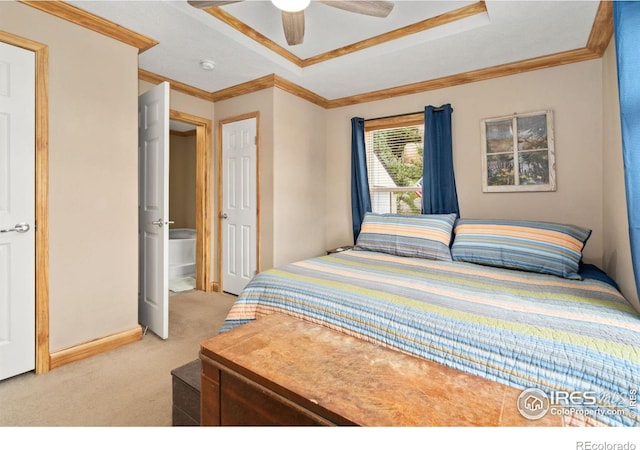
522	329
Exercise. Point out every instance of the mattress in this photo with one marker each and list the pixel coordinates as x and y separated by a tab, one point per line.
577	341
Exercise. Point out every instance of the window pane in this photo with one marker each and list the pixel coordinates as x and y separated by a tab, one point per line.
532	132
408	202
534	167
382	202
394	160
527	166
500	170
500	136
399	151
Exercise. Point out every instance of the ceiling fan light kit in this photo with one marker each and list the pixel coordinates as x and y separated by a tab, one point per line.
291	5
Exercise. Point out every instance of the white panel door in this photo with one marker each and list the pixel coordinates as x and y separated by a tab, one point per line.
239	210
153	232
17	211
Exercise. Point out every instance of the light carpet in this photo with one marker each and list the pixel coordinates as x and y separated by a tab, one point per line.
127	387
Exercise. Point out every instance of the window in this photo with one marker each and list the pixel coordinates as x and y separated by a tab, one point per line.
518	153
394	163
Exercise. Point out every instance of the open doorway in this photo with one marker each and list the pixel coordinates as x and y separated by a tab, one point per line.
189	202
182	205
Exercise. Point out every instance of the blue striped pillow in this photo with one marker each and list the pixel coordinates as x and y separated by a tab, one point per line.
424	236
542	247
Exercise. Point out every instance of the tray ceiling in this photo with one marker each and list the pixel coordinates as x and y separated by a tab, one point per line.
475	35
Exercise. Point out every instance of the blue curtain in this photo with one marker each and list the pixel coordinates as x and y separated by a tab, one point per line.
626	25
360	198
439	195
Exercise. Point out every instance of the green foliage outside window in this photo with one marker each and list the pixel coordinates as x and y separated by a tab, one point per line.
389	145
400	151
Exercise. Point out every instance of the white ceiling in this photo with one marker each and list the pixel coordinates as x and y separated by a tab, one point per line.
509	31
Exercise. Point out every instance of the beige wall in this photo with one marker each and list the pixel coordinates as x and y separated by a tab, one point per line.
92	176
299	178
292	164
573	92
182	181
617	251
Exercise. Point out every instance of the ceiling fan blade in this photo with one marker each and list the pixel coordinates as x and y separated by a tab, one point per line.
368	8
293	26
210	4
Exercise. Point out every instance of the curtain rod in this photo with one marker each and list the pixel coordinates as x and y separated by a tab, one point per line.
405	114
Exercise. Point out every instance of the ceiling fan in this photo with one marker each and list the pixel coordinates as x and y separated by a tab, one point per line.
293	12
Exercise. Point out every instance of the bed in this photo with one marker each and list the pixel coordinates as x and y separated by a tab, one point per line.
569	333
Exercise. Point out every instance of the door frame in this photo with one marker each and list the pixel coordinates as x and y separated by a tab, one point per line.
203	196
253	115
41	51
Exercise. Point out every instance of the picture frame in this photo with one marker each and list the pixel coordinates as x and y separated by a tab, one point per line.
518	153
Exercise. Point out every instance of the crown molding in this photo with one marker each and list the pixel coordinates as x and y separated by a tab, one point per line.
269	81
266	82
92	22
154	78
432	22
543	62
599	38
602	30
245	29
299	91
273	80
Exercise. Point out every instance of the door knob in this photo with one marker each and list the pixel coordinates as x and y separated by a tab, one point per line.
224	216
18	228
159	222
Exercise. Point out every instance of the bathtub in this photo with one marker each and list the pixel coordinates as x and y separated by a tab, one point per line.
182	253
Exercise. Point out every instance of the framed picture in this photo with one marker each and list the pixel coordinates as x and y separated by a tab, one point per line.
518	153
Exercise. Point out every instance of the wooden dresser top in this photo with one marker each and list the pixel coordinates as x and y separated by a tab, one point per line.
358	382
